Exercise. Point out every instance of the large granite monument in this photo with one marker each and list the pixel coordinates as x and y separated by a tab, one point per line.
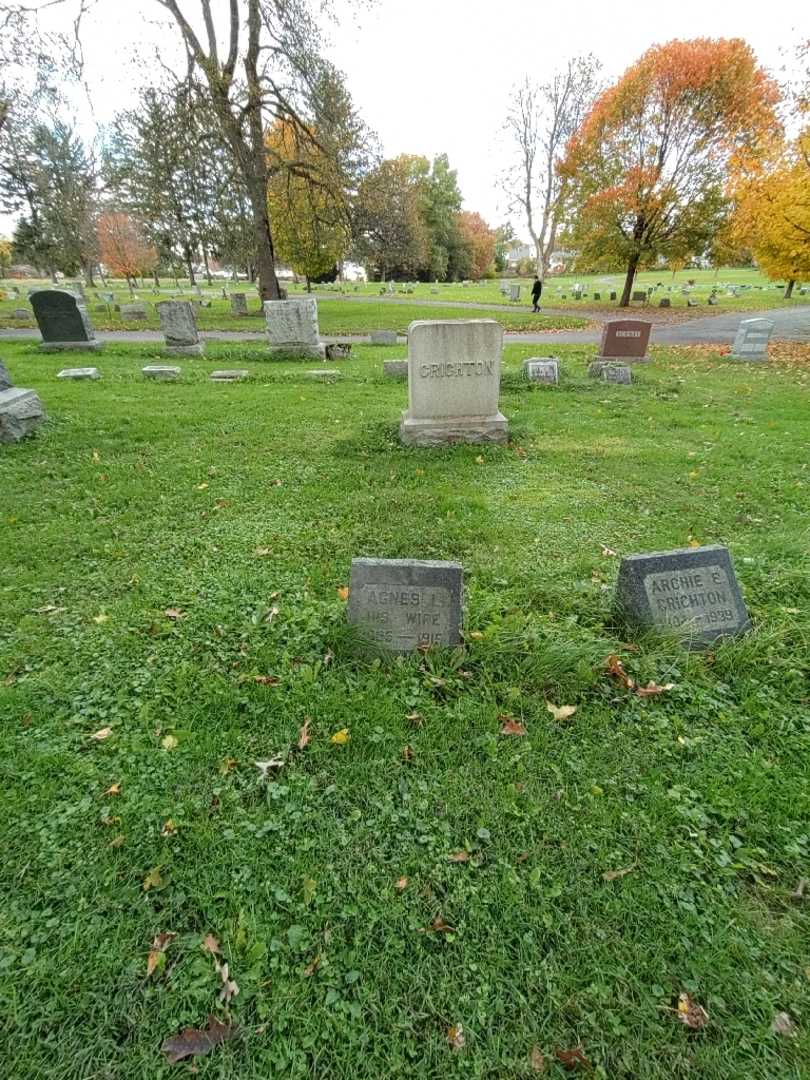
62	320
454	376
292	329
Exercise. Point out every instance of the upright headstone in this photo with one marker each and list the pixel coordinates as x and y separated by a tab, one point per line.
395	369
239	303
751	342
690	591
542	369
625	339
180	328
665	302
514	292
6	381
20	313
383	337
407	604
62	320
292	329
21	412
454	375
135	312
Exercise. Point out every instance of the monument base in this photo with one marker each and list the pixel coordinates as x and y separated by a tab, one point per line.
456	429
748	359
622	360
185	350
297	352
69	346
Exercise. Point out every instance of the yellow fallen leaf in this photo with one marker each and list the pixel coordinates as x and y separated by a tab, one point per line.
101	618
343	592
479	460
117	842
694	542
613	875
101	734
156	953
262	552
561	712
475	635
202	486
690	1013
153	880
455	1036
114	789
340	738
168	742
169	828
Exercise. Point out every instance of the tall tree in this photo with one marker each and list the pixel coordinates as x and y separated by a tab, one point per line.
648	165
390	235
480	240
124	248
284	77
539	123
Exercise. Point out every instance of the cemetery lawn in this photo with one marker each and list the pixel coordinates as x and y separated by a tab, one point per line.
172	611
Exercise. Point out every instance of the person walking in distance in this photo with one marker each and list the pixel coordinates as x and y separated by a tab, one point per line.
537	291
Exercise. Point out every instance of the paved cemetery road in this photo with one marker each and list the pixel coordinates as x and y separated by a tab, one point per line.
792	324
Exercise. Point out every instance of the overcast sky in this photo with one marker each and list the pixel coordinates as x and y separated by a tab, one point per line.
433	76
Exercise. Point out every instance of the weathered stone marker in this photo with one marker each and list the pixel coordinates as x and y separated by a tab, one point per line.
161	372
405	604
21	412
62	320
180	328
542	369
292	328
625	339
6	381
79	373
20	313
239	303
514	293
454	377
617	373
751	342
134	312
324	374
229	375
690	591
395	369
383	337
339	350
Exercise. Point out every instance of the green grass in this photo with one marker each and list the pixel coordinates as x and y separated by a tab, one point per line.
137	498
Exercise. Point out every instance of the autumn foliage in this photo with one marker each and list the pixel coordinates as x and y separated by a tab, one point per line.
649	165
480	240
123	248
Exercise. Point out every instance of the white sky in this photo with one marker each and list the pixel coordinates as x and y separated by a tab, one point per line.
434	76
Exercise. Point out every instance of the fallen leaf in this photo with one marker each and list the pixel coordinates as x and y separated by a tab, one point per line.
101	734
479	460
266	680
193	1042
340	738
343	592
799	891
117	841
169	828
101	618
312	967
265	766
202	486
690	1013
437	926
521	453
169	742
304	736
459	856
415	719
572	1059
407	753
510	726
153	880
613	875
262	552
455	1036
607	552
537	1059
159	945
96	457
652	688
210	944
222	504
174	613
113	789
694	542
400	884
475	635
561	712
783	1025
615	667
227	765
229	988
52	609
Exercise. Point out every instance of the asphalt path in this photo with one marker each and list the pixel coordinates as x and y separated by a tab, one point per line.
791	324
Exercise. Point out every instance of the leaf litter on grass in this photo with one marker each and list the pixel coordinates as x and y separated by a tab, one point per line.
195	1042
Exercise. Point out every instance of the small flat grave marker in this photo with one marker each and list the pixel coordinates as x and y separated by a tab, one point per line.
162	372
542	369
395	369
383	337
324	374
751	342
79	373
617	373
406	604
690	591
231	375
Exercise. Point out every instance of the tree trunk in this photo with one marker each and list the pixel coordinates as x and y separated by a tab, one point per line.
263	238
632	266
309	285
208	277
190	267
789	289
54	278
88	276
156	276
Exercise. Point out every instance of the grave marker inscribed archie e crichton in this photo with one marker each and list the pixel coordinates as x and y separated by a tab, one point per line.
406	604
692	592
625	339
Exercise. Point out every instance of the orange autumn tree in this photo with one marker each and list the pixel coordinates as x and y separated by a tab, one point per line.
649	164
123	248
481	241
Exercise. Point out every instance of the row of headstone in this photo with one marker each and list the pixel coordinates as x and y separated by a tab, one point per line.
401	605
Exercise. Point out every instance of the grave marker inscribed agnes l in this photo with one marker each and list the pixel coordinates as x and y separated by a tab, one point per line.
405	604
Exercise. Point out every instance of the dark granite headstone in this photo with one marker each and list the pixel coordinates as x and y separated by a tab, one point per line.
63	321
692	592
405	604
625	339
